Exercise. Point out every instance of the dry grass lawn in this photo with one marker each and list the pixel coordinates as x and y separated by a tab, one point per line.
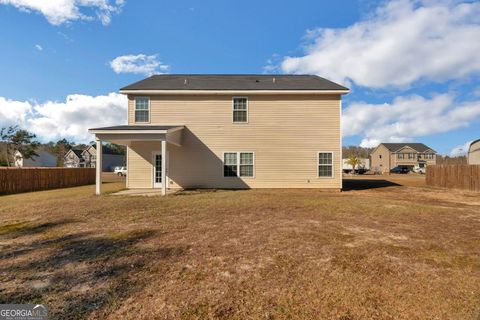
395	250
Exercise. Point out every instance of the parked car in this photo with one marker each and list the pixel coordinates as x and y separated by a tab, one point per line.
400	170
419	169
120	171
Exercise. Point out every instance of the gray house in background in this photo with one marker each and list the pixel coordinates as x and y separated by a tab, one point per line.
87	158
44	159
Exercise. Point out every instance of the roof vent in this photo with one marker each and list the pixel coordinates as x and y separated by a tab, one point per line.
257	80
273	80
185	82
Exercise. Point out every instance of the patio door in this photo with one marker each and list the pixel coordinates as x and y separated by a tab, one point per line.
157	169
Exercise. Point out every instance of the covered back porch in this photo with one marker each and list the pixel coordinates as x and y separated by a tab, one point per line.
129	135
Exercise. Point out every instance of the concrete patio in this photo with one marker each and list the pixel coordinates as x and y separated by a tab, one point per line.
144	192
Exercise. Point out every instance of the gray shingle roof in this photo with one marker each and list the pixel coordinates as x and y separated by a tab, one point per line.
77	152
419	147
234	82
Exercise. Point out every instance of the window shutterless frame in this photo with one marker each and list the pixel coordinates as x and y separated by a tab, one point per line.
135	109
238	164
233	109
330	165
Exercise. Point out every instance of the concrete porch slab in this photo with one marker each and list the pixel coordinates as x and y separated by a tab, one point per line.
144	192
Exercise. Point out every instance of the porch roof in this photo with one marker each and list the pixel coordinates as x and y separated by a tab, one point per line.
139	128
125	134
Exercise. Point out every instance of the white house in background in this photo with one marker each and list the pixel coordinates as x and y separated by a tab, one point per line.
474	152
44	159
73	159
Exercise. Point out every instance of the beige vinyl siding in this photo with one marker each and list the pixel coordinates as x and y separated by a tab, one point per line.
474	153
285	132
382	164
140	164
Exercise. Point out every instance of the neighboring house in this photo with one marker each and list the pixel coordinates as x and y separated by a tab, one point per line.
73	159
364	166
231	131
89	156
110	159
77	158
387	156
474	152
44	159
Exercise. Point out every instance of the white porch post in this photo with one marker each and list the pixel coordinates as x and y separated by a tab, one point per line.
164	167
98	167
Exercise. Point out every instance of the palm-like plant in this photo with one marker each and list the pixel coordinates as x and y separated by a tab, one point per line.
354	161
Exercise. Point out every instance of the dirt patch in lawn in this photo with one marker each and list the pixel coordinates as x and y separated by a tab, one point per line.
399	251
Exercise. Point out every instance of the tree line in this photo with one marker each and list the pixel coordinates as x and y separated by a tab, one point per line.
14	138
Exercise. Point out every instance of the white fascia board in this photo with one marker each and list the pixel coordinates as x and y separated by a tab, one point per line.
127	131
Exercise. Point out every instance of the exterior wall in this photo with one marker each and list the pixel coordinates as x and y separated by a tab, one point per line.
474	153
381	159
140	167
284	132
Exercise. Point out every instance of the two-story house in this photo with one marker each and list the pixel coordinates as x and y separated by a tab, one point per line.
110	159
74	159
230	131
86	158
387	156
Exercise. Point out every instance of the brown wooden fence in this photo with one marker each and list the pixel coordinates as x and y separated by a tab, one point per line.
15	180
454	176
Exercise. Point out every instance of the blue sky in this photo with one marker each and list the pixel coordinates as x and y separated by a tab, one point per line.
409	82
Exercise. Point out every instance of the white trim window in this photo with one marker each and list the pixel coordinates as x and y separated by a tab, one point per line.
238	164
142	109
240	110
325	164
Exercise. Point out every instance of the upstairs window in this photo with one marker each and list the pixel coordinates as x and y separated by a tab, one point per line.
240	110
142	109
238	164
325	164
400	156
411	156
429	156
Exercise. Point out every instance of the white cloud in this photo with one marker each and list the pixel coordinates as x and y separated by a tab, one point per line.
402	42
70	119
38	47
460	150
140	64
407	118
13	112
58	12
